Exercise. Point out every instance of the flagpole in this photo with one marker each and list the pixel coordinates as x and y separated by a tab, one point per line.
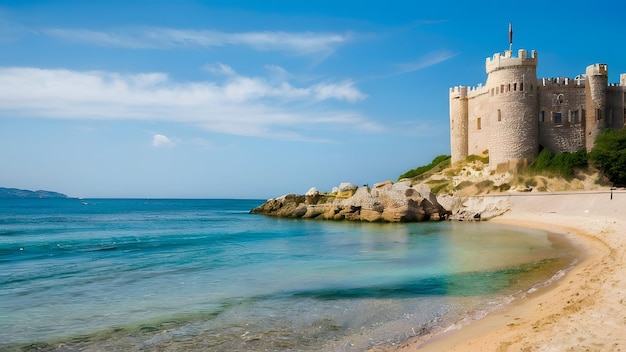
510	37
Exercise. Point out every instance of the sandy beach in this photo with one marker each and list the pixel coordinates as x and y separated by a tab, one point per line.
583	311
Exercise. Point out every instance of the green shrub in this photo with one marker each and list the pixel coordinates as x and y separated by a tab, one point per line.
609	155
531	183
543	160
441	160
474	157
440	187
560	164
436	182
484	185
504	187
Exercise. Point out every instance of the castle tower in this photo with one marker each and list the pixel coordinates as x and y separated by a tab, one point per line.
595	92
458	123
513	101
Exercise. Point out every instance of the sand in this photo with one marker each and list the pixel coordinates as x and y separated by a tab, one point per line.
585	310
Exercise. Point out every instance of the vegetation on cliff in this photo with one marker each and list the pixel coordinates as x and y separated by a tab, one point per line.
609	155
561	164
549	173
439	163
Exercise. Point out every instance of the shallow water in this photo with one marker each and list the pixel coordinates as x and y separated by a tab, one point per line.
206	275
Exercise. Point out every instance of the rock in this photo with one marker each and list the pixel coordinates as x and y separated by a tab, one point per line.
399	202
300	211
384	183
312	196
475	208
312	192
347	186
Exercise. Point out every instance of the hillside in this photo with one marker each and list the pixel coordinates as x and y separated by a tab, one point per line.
22	193
472	178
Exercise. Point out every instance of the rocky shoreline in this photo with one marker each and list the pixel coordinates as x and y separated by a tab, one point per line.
384	202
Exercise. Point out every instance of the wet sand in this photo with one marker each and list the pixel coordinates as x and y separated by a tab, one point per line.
583	311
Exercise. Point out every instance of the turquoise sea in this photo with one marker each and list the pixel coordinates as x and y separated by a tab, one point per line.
205	275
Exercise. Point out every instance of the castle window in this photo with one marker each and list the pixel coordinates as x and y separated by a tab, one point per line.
531	87
514	86
492	92
556	118
599	114
478	125
521	87
508	89
542	116
575	116
502	88
559	99
499	115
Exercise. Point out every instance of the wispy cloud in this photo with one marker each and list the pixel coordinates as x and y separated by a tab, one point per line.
240	105
427	60
430	59
159	140
295	43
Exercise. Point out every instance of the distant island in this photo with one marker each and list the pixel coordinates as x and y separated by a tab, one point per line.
22	193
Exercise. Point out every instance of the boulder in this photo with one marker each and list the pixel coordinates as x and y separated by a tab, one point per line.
312	192
347	186
475	208
387	201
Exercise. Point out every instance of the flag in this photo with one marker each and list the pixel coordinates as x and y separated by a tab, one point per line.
510	33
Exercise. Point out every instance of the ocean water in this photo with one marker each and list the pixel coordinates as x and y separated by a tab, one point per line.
205	275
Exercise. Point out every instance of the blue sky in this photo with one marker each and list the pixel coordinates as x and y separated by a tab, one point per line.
256	99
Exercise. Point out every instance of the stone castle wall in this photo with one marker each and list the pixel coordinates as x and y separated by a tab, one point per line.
561	114
478	123
512	107
616	101
514	114
595	101
458	122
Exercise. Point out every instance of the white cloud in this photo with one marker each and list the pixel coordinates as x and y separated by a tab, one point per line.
240	105
220	69
430	59
159	140
341	91
298	43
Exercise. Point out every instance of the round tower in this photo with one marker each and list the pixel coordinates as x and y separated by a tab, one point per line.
513	109
458	123
597	77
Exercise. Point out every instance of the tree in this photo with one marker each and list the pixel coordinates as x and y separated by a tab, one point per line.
609	155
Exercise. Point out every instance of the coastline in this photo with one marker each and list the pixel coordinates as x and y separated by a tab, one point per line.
583	310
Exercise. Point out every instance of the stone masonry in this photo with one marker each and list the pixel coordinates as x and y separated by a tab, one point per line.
514	115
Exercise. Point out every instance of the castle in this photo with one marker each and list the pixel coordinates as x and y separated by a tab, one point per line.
514	114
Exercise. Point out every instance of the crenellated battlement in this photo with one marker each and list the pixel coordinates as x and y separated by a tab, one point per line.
514	113
464	91
563	81
458	91
499	61
597	70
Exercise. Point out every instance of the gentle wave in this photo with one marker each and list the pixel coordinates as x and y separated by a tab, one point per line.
206	275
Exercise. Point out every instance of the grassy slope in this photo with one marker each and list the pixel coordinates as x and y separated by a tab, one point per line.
472	178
